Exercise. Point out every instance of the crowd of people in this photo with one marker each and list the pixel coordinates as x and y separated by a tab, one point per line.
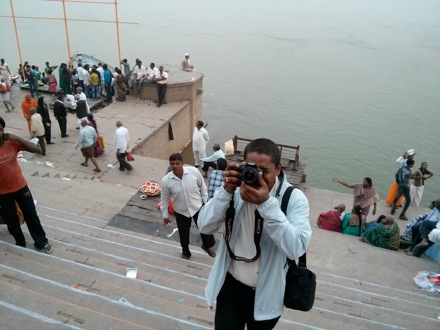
384	232
248	277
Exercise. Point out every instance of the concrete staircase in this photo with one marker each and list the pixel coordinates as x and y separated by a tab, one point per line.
83	283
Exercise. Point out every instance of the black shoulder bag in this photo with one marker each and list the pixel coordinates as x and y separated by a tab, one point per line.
300	281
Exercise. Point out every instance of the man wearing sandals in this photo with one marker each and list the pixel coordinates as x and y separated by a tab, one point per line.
14	191
86	141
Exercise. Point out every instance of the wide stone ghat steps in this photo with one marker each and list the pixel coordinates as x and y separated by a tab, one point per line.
83	284
44	171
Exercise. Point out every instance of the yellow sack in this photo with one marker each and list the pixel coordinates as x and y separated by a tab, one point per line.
101	142
229	148
19	213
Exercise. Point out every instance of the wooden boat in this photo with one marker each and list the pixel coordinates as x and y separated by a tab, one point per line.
90	60
294	169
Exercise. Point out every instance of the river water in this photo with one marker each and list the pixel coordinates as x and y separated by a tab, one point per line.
354	83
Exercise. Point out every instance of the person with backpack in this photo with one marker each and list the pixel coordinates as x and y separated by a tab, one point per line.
248	276
402	177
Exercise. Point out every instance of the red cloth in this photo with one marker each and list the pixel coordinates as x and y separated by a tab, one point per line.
330	221
11	178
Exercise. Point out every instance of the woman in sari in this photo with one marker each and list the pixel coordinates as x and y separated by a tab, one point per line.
60	75
364	194
52	82
384	234
43	110
26	105
332	220
97	150
67	83
352	222
120	86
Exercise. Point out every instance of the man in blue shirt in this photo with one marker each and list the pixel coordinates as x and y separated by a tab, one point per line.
107	83
402	178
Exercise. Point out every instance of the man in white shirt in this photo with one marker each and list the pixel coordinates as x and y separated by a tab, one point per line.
121	142
86	75
80	71
5	72
141	73
151	73
211	161
185	64
161	80
83	97
199	141
187	188
100	69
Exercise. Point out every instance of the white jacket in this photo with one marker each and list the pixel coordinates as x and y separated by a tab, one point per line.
282	236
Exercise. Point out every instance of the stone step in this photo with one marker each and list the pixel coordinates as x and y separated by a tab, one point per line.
98	292
94	256
14	316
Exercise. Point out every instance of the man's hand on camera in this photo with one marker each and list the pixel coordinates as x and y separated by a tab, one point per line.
231	178
253	194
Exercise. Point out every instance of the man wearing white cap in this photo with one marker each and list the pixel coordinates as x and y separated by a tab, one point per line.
407	155
186	65
401	162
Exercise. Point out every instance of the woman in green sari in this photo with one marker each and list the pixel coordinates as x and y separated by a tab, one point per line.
385	234
352	222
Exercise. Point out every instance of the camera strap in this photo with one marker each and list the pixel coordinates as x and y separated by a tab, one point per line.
229	224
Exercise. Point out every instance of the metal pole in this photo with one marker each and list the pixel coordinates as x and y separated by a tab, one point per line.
18	41
67	35
117	34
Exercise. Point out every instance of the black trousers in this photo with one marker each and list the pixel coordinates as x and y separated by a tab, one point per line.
405	192
161	91
235	308
63	125
48	132
419	231
184	227
24	199
207	165
108	92
123	164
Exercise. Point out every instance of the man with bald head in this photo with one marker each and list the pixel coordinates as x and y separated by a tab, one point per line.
121	143
86	141
211	161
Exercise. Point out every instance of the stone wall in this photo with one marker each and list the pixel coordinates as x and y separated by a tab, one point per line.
160	145
185	88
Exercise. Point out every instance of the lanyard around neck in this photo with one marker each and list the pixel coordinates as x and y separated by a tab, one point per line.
229	224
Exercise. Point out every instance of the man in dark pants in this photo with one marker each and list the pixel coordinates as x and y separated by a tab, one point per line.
14	190
421	230
185	185
60	113
107	83
161	80
402	178
121	142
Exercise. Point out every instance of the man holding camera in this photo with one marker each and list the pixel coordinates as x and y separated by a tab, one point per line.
248	277
188	190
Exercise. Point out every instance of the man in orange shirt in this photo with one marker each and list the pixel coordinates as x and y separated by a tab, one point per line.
14	189
26	105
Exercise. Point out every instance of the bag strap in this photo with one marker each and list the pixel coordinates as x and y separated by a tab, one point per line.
284	202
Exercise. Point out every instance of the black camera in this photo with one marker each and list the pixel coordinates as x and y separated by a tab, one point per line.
249	174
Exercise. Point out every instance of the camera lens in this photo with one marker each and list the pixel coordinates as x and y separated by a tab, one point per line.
250	176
